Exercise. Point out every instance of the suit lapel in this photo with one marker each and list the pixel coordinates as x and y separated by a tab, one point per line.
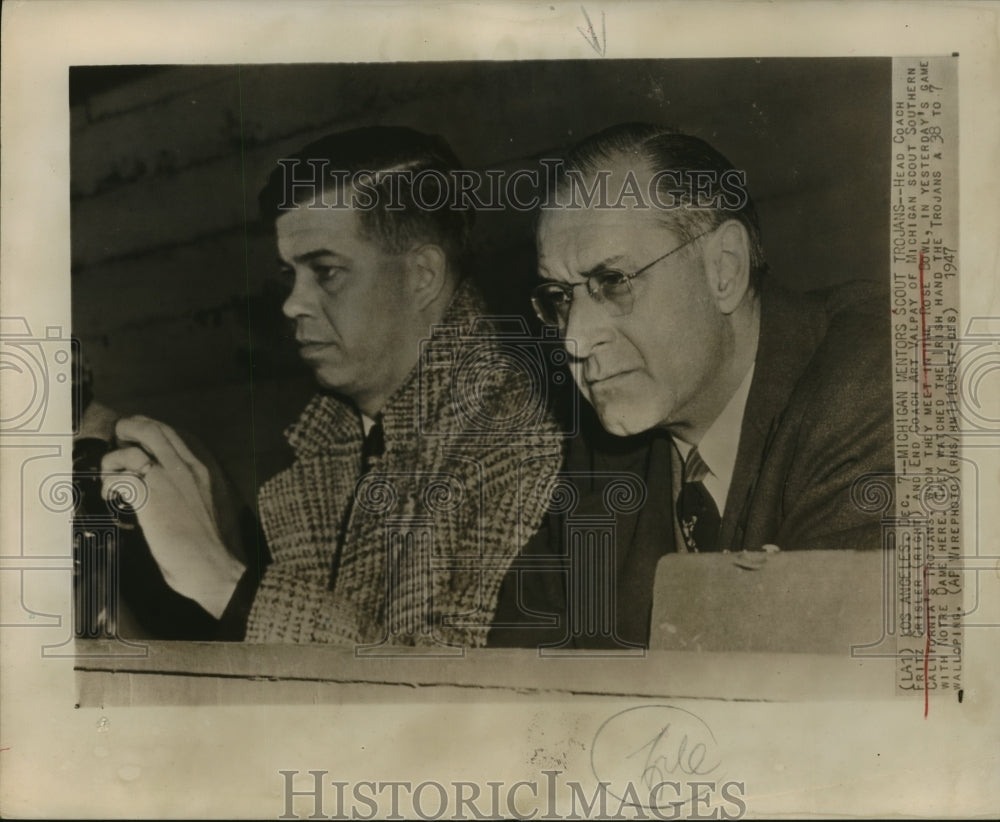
654	525
791	326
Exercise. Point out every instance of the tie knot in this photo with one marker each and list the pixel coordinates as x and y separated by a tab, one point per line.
695	469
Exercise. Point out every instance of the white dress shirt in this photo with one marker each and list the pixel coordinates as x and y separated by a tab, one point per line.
718	447
367	423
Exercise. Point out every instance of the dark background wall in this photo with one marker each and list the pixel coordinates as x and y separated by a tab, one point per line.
174	299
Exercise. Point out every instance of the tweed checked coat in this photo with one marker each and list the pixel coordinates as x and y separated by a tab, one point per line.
429	530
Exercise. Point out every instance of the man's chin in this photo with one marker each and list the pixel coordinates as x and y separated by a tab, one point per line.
329	379
623	421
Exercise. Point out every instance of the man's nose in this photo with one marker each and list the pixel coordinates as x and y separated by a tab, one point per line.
587	326
301	299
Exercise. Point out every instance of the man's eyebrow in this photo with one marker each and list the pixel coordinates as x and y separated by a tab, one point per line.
603	265
309	256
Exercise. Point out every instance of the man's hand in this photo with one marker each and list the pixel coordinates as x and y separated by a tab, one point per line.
178	518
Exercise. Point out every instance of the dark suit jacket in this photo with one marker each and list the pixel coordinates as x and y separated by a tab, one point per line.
818	417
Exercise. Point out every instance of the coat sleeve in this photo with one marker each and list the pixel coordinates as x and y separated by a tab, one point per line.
531	600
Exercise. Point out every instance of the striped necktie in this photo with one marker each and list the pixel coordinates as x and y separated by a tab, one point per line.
696	510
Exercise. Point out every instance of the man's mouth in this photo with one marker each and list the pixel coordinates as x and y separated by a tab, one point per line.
607	378
308	347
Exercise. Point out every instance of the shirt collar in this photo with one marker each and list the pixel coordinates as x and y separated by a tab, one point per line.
330	421
367	423
719	444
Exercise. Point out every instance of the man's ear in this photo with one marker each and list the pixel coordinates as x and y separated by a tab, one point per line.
728	265
427	266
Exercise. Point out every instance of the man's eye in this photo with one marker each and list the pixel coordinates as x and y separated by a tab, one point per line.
326	274
613	283
558	296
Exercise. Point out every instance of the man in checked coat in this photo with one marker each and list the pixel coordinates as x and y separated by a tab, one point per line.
406	500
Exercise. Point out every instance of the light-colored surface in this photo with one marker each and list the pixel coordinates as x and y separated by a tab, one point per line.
281	672
743	602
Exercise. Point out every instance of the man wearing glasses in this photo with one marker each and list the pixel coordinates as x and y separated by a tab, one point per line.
746	411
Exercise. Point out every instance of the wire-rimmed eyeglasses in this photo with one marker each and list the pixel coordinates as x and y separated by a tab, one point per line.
612	288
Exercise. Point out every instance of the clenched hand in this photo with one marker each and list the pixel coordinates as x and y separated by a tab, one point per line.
178	518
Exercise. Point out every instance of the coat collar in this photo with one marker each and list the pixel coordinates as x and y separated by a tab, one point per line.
330	423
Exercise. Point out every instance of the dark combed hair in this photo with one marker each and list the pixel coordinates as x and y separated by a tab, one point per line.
380	150
665	149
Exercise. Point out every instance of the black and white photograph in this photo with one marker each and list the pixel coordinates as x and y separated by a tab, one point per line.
238	301
521	426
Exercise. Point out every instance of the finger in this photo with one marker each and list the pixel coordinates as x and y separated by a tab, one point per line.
148	434
122	489
161	441
124	469
185	453
155	430
132	459
171	437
